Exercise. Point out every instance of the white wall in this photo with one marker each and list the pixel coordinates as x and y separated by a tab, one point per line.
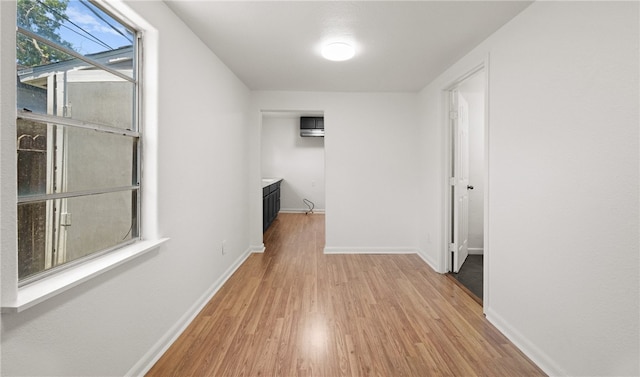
562	257
298	160
473	92
117	322
8	160
563	193
370	166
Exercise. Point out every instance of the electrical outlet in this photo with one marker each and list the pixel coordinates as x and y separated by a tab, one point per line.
224	247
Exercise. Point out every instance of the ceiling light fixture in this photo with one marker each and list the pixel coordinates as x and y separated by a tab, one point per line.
338	51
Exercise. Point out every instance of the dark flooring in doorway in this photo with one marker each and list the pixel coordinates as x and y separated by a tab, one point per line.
470	275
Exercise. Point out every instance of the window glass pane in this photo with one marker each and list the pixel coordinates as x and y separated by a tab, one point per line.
77	24
97	160
32	157
59	231
87	94
99	97
82	159
32	232
93	82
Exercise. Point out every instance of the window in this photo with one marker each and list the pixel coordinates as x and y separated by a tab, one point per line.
78	142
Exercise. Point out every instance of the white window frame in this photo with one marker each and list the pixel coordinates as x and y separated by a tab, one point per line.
14	298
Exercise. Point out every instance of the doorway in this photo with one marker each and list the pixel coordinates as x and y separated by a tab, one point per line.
295	160
467	181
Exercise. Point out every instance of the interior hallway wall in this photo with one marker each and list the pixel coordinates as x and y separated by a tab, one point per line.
298	160
115	323
563	183
370	166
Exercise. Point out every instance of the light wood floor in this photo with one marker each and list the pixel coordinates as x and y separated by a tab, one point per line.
294	311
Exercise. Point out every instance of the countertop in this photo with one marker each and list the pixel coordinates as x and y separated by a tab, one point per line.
269	181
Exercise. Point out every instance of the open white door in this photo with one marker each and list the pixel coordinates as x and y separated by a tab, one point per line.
460	180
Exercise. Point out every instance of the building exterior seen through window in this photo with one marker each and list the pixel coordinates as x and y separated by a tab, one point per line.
78	142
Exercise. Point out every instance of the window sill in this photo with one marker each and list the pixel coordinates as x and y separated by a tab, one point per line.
44	289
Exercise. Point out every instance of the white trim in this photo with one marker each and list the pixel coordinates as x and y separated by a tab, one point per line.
476	251
300	210
371	250
257	249
384	250
427	259
445	107
43	289
486	294
147	361
538	356
480	66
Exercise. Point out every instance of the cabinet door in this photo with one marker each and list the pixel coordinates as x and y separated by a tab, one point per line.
307	123
265	213
272	206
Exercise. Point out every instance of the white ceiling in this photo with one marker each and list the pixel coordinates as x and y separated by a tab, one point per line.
400	46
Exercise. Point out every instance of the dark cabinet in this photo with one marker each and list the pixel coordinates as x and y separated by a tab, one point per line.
270	204
311	126
309	123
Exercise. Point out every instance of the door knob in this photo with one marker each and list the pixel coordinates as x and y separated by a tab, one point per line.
469	187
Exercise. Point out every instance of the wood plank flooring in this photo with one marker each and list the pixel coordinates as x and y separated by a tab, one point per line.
294	311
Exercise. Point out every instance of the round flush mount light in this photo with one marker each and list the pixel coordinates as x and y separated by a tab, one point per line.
338	51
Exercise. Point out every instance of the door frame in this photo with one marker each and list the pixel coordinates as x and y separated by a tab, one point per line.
483	69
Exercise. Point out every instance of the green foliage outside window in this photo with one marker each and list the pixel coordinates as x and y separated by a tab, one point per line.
43	17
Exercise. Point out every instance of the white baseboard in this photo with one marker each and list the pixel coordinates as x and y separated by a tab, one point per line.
370	250
384	250
153	355
300	210
541	359
257	249
427	259
476	251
